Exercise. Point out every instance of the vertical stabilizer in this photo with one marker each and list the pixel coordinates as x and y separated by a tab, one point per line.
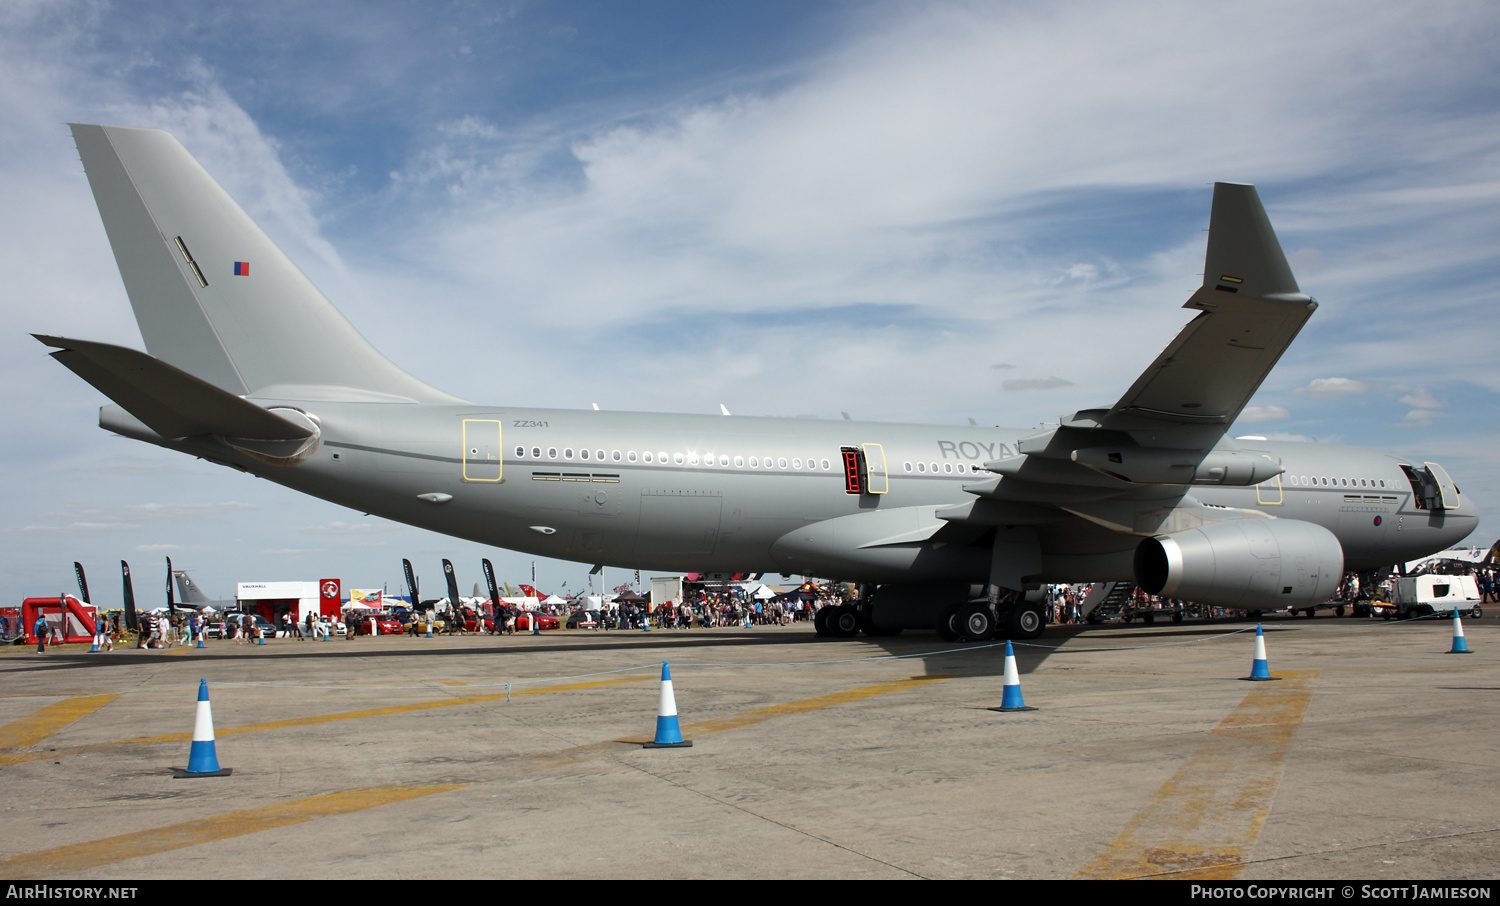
213	295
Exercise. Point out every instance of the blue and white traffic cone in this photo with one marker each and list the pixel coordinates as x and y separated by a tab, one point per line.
1260	671
668	731
536	625
201	633
1459	645
95	649
1010	699
203	761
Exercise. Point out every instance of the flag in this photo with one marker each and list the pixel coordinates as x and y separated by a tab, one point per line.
242	268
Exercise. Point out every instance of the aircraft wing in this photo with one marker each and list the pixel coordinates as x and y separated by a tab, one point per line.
168	400
1251	310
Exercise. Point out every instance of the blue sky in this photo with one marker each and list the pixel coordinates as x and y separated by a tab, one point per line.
913	212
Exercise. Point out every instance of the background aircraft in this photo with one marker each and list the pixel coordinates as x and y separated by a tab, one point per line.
251	367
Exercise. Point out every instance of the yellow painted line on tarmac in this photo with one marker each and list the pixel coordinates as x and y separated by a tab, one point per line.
110	850
32	729
1202	823
321	719
205	830
746	718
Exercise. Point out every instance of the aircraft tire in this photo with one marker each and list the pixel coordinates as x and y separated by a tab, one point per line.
843	623
944	626
974	622
1025	621
820	621
1311	612
1338	611
1177	617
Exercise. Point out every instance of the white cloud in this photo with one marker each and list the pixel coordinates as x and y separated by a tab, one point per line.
1335	386
1255	414
1422	399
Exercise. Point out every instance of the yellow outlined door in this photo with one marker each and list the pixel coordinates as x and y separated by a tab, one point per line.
481	449
1268	492
876	480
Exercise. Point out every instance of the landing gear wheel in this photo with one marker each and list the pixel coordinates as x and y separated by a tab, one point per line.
820	620
843	623
1025	621
944	626
1311	612
1338	611
974	622
1177	617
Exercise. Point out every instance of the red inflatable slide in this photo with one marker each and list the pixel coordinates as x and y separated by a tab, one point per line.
67	615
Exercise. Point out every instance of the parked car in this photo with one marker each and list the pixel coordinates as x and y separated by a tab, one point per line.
544	620
365	624
216	630
583	619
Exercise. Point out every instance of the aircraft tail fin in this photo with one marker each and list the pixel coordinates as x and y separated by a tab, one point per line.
187	590
213	295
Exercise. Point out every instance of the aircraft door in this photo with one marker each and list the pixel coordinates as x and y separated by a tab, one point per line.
876	480
481	450
1447	491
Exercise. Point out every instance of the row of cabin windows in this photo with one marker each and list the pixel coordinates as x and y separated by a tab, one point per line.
723	460
1321	482
948	468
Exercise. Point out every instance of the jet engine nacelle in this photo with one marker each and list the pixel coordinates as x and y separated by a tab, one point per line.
1249	564
1152	465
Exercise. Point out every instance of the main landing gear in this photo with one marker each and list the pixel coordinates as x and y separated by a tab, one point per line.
1012	617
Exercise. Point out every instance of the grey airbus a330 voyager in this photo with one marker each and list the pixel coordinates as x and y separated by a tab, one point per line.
250	366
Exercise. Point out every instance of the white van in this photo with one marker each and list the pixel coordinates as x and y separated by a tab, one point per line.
1416	596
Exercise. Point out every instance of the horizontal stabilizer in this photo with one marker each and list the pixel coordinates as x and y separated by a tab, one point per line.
168	400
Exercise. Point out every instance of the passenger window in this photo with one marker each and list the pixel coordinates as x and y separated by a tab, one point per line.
692	459
754	462
647	456
827	465
551	452
567	452
583	454
677	458
921	467
781	463
616	456
631	456
520	452
796	463
536	452
907	466
723	460
739	462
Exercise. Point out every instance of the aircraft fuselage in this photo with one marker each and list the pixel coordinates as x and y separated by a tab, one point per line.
728	494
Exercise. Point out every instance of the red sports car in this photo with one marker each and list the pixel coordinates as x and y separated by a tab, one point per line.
545	621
